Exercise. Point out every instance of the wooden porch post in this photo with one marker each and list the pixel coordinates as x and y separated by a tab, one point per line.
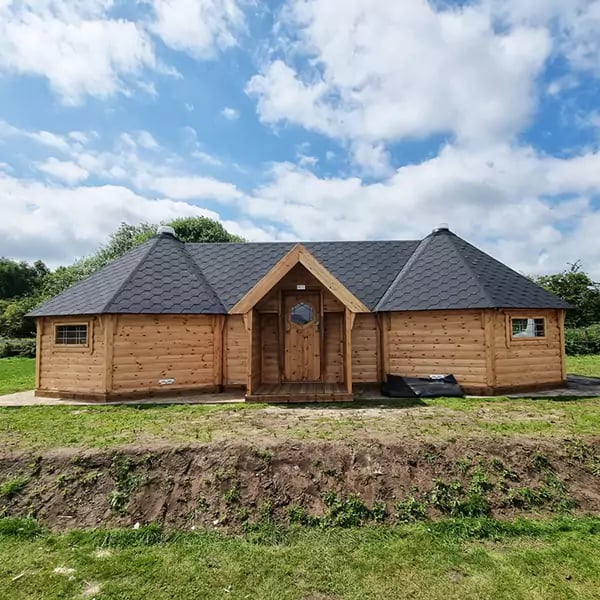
39	328
218	354
109	344
349	324
488	318
249	324
561	336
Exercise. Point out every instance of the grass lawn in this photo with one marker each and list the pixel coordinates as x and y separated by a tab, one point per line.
584	365
16	375
43	427
444	560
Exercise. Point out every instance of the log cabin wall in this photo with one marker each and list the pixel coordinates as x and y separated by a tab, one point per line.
527	362
66	368
422	343
236	352
151	350
365	349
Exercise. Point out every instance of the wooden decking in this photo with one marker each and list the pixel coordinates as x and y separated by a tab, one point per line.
300	392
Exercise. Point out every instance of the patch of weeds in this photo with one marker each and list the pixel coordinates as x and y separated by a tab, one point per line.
540	463
527	498
232	495
12	487
379	512
243	515
127	480
410	510
349	511
20	528
263	454
298	515
463	466
429	457
267	510
506	473
445	496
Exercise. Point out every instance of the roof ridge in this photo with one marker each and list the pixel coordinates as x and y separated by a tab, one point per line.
469	268
198	269
413	257
145	255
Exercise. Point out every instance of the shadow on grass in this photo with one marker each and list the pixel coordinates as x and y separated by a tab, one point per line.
387	403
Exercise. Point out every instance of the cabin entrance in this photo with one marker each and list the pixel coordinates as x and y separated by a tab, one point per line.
302	336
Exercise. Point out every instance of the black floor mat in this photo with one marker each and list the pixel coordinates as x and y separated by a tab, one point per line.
397	386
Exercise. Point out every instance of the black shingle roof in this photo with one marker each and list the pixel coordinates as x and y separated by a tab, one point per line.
166	276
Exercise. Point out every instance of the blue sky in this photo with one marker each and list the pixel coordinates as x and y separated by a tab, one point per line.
303	120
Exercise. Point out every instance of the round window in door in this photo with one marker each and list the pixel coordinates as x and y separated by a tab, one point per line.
302	313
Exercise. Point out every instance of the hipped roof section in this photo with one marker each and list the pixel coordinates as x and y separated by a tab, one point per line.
164	275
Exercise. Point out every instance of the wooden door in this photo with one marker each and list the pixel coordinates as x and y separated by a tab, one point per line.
302	338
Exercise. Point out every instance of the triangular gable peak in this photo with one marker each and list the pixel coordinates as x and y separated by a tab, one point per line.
298	255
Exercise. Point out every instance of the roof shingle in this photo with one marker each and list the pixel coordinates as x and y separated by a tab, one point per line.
164	275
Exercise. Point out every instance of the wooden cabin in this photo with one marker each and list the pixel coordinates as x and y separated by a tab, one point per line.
298	321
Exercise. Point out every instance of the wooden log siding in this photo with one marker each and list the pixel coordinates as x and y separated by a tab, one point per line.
365	349
150	348
334	347
70	368
528	361
422	343
236	351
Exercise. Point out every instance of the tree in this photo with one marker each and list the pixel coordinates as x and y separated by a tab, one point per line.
19	279
202	229
578	289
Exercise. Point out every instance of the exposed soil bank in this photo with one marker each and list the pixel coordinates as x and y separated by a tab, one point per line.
219	485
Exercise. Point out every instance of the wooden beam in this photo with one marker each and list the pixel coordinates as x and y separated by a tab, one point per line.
109	345
561	314
383	320
488	321
349	323
39	330
249	323
298	254
218	345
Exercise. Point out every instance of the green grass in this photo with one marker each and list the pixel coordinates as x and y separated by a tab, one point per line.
44	427
447	560
584	365
16	375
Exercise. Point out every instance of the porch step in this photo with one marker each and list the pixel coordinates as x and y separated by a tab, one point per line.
300	392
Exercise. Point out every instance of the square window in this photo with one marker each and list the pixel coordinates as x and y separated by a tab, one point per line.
71	335
528	328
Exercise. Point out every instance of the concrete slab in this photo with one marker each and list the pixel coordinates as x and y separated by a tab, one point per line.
29	399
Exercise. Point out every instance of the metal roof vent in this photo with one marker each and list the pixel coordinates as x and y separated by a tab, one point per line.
441	227
166	230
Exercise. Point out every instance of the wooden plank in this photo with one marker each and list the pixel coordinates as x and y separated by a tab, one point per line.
109	339
348	324
249	323
218	356
39	329
560	317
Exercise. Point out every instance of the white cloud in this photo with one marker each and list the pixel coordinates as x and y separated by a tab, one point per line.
59	224
65	170
191	187
575	26
231	114
77	47
370	73
502	199
199	27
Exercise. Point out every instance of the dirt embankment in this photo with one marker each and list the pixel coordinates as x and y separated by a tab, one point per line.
218	485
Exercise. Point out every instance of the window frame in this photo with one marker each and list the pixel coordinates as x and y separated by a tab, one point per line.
73	347
533	338
308	305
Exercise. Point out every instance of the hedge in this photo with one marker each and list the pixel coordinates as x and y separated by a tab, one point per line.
24	347
583	340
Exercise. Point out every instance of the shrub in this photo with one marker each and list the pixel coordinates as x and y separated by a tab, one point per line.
24	347
583	340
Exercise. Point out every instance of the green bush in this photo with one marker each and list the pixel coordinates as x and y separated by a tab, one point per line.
24	348
583	340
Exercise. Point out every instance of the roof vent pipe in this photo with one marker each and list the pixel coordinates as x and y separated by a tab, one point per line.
165	230
441	227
